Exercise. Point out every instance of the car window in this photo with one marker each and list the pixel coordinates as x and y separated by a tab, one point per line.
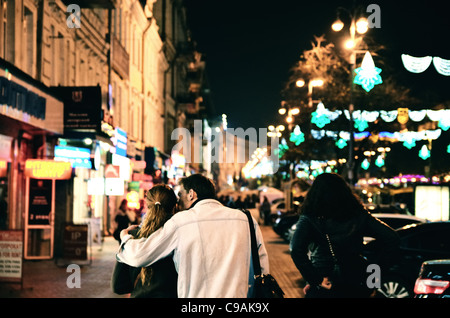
438	241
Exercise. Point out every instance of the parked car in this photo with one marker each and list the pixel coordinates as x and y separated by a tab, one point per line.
433	280
396	221
283	223
418	243
277	208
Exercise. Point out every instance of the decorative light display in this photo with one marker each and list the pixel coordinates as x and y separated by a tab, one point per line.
409	143
442	66
448	148
368	75
341	143
424	152
320	116
421	64
361	124
442	116
380	161
365	164
297	136
444	123
416	64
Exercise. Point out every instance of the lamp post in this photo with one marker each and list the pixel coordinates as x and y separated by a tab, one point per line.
359	26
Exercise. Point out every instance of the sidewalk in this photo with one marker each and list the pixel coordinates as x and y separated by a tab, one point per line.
44	279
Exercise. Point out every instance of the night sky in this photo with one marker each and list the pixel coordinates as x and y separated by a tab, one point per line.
250	45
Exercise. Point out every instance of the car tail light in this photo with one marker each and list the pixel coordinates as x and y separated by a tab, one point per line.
429	286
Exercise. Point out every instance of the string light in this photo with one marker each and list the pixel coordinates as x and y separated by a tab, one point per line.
442	66
380	161
297	136
365	164
416	64
421	64
424	152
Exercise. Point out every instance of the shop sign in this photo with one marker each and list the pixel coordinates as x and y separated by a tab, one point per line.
21	99
78	157
48	169
76	242
121	142
82	107
11	255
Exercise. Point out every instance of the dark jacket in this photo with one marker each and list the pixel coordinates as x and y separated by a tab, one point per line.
347	242
163	282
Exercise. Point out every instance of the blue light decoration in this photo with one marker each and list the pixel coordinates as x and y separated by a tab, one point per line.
448	148
365	164
424	152
297	136
444	123
409	143
368	75
320	117
341	143
361	124
380	161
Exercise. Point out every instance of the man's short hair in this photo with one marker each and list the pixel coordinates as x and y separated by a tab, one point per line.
203	186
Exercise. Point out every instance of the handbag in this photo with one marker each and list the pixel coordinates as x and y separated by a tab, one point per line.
265	285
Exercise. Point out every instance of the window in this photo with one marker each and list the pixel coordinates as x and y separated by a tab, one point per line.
28	41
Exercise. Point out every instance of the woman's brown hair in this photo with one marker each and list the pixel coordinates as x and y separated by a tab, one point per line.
161	202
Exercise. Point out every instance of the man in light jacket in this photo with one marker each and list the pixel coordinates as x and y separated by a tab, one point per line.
209	242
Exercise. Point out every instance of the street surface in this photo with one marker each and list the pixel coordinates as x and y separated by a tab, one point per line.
48	278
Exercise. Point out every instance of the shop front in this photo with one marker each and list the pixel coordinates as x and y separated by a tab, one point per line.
31	120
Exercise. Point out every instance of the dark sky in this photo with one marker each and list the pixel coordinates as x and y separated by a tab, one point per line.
250	45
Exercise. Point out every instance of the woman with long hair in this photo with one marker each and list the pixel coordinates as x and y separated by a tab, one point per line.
159	279
332	224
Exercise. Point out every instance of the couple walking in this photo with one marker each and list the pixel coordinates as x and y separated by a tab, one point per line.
203	251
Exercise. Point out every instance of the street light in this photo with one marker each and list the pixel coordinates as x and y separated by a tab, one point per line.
311	84
359	26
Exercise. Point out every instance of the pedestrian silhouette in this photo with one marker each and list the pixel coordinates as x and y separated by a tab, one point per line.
331	227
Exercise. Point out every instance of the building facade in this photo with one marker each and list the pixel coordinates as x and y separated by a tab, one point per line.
96	84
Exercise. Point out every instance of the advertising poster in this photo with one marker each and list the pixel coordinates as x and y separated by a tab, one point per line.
40	202
11	255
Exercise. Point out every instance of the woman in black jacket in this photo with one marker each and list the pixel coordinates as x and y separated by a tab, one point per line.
160	279
331	227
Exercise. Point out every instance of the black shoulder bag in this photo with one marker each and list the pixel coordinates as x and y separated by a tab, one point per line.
265	286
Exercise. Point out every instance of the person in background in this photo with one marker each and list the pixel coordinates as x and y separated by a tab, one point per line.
121	220
209	244
264	211
160	279
331	227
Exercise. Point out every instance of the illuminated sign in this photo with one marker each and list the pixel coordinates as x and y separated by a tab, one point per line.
121	142
78	157
3	168
48	169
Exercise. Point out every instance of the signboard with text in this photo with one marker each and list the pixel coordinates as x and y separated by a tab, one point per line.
40	202
11	255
